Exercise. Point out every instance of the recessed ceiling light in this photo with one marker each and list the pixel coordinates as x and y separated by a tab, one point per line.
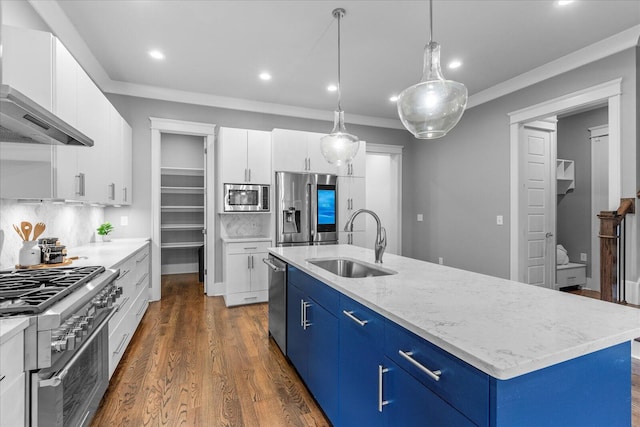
265	76
455	64
332	88
394	98
564	2
156	54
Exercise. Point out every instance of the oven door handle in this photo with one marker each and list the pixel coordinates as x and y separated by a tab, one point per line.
56	380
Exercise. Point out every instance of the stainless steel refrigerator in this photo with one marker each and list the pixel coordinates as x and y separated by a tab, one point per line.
306	214
306	209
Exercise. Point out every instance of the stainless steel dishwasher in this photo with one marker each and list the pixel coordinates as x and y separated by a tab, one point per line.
278	301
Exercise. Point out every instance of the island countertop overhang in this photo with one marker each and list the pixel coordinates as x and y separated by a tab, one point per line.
502	327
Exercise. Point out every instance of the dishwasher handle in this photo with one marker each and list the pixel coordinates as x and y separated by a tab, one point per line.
273	266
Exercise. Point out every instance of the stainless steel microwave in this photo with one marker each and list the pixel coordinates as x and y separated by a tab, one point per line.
246	198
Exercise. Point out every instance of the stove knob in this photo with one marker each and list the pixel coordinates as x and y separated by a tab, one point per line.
119	290
71	341
79	332
59	346
90	320
84	325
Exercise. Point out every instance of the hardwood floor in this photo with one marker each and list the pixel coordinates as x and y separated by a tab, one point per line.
195	362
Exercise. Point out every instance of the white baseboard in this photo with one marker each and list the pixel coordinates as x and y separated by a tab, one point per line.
179	268
215	289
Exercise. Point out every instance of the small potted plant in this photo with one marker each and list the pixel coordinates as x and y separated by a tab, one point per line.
104	231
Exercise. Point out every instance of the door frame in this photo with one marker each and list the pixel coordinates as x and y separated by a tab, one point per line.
207	131
609	93
395	152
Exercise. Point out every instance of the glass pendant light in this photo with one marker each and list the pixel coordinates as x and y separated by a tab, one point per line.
432	107
339	147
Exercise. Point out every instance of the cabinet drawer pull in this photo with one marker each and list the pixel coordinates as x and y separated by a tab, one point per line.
248	298
350	315
141	281
381	402
252	247
2	377
435	375
142	258
122	304
142	307
121	276
122	341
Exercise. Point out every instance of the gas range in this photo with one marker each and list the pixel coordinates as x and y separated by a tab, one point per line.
25	292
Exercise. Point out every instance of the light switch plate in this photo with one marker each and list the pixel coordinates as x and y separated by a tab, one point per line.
583	256
124	220
420	217
499	220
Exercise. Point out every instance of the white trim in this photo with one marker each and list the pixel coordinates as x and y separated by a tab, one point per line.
598	131
159	126
53	15
384	148
395	152
606	92
585	97
617	43
209	100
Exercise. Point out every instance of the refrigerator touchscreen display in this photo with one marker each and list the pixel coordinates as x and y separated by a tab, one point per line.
326	208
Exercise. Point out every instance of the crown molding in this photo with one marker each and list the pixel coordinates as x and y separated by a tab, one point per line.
53	15
606	47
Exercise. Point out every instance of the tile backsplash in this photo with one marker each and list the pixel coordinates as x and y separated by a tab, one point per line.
73	225
245	225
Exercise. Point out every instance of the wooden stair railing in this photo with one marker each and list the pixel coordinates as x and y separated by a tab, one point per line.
612	250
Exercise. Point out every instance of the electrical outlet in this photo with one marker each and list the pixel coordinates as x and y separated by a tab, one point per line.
583	256
440	260
420	217
499	220
124	220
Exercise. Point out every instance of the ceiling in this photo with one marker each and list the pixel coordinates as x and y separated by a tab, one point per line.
218	48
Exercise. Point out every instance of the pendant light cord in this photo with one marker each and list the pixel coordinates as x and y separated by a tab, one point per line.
430	21
339	15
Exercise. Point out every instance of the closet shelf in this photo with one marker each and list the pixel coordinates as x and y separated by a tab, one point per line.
182	208
182	226
182	171
182	190
181	245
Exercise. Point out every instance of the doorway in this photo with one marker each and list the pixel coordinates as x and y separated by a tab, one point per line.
384	193
607	94
181	181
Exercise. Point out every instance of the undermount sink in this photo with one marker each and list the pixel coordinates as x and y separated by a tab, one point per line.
350	268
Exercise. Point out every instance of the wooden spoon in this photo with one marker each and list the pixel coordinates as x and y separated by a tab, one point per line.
26	228
38	229
15	227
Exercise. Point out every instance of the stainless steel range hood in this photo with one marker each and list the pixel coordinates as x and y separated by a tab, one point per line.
23	120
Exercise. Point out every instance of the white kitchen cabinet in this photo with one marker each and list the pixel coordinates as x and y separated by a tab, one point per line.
244	274
298	151
12	382
244	156
358	165
27	63
134	280
351	197
127	163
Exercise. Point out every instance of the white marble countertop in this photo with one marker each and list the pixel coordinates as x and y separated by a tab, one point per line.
107	254
502	327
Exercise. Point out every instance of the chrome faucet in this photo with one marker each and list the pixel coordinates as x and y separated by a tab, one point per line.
381	233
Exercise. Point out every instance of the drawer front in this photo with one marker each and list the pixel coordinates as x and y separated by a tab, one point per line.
247	247
12	402
118	341
138	309
11	360
124	302
242	298
460	384
142	263
362	321
571	276
126	280
324	295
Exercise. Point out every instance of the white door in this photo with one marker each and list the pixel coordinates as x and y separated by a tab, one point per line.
599	196
382	199
538	254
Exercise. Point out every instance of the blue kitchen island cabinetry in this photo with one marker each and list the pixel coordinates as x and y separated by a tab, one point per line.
365	369
313	339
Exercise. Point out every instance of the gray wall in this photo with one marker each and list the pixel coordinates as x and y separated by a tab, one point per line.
136	111
461	182
573	227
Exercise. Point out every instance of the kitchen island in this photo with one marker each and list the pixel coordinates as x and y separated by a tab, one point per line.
549	351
